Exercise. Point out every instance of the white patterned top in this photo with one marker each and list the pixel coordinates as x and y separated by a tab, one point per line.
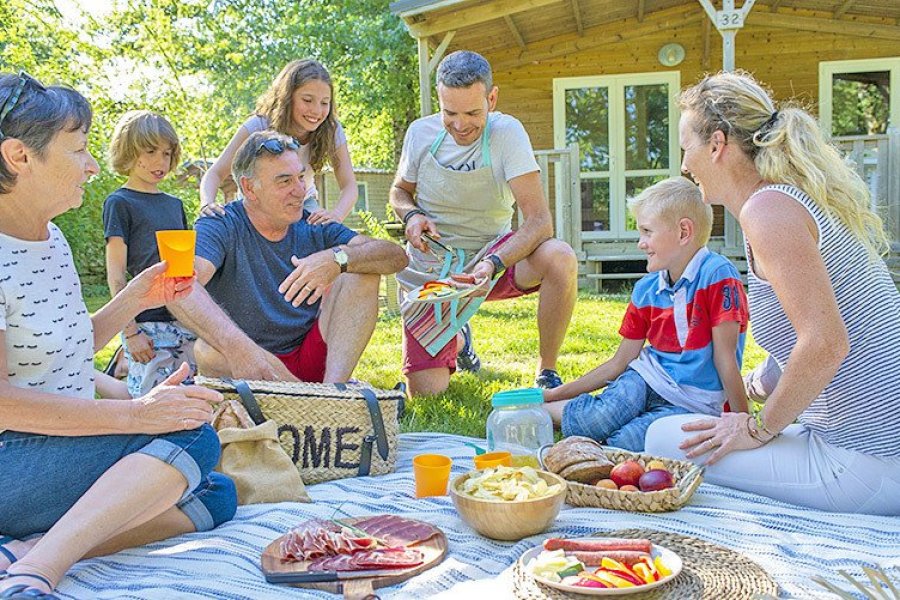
860	408
49	336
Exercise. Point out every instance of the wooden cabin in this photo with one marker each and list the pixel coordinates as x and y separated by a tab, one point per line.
373	185
595	84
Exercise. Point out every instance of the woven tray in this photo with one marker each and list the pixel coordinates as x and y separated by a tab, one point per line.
710	572
687	476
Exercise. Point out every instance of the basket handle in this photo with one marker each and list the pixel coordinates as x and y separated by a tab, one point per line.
381	442
248	400
540	455
691	482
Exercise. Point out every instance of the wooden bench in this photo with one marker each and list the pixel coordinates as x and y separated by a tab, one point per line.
598	276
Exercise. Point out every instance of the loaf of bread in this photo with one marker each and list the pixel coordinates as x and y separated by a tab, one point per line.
578	458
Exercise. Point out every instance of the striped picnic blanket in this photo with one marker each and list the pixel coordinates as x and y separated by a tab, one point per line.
790	543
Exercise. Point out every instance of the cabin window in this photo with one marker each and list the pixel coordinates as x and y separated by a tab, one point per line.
859	107
859	97
362	201
626	129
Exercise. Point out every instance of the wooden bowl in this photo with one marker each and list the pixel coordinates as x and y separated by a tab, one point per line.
509	520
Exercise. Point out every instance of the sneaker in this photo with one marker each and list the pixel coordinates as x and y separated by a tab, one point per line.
467	360
548	379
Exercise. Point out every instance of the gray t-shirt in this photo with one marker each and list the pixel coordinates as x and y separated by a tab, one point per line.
136	217
260	123
249	269
511	151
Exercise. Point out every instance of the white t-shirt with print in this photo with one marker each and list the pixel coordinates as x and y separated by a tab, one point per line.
258	123
48	333
510	146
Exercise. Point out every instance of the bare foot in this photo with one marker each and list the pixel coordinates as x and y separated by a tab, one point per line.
17	548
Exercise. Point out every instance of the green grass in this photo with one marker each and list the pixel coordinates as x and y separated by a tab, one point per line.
506	339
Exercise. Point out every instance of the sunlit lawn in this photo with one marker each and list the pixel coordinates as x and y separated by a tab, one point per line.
506	339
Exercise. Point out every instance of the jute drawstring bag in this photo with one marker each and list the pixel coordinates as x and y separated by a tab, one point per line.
253	458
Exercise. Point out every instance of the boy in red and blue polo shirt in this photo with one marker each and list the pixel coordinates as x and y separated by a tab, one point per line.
690	310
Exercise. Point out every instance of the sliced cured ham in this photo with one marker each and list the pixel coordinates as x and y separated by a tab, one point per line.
396	531
318	538
384	558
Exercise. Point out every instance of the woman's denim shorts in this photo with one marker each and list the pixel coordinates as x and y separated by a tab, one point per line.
41	477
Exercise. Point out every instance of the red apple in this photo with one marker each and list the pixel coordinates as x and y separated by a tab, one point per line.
627	473
656	479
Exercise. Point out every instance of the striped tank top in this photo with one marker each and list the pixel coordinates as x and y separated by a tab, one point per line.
860	408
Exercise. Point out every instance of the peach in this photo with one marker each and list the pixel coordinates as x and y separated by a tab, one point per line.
627	473
656	464
608	484
628	488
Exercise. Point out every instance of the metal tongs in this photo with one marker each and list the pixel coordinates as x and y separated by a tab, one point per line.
430	240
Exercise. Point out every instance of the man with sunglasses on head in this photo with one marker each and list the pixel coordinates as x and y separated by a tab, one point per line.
302	299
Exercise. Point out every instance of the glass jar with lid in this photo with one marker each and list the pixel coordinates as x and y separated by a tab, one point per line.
519	424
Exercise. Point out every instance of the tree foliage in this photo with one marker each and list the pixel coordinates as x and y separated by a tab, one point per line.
202	64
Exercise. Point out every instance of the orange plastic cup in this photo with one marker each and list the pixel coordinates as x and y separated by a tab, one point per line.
432	473
176	247
493	459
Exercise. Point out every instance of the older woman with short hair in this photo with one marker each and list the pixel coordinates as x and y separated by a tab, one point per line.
822	304
92	475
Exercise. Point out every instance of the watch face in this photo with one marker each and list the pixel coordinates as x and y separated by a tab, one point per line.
340	257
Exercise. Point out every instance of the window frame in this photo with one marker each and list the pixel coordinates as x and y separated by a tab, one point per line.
827	70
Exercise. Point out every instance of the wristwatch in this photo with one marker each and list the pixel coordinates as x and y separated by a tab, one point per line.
341	258
495	260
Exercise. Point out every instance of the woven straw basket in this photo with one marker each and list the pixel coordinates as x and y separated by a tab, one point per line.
330	431
687	477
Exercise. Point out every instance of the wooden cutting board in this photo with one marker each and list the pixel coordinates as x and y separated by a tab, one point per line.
434	549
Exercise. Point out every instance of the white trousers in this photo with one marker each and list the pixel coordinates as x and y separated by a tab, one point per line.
797	467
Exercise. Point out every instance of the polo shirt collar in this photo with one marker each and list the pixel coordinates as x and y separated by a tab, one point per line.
690	273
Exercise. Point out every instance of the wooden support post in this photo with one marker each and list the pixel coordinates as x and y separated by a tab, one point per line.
729	21
440	50
704	57
640	11
424	78
427	65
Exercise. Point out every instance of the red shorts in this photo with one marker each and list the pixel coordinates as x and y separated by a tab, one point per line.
307	361
416	358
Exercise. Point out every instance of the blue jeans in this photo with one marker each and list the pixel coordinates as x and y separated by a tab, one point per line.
41	477
620	415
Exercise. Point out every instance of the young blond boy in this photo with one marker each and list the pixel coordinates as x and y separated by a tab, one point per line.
690	311
145	148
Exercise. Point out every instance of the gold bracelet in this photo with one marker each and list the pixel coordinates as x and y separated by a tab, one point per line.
754	433
761	425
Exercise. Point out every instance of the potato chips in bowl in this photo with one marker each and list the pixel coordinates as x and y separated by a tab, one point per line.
508	503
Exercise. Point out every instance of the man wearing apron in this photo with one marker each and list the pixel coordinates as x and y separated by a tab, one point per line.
460	173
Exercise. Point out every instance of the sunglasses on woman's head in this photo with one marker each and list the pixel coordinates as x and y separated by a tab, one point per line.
13	99
276	146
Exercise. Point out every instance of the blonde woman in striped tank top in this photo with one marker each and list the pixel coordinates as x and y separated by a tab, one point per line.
822	304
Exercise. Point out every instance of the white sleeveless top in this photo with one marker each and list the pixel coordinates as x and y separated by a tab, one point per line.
860	408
